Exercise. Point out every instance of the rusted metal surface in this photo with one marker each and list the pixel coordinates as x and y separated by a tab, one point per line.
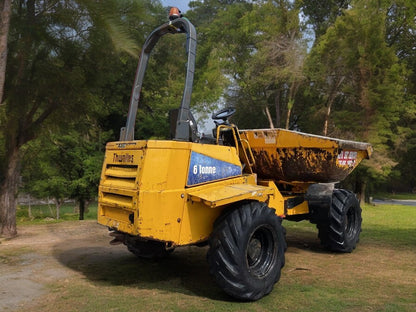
299	164
289	156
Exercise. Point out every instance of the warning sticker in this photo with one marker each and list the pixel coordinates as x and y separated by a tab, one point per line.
347	158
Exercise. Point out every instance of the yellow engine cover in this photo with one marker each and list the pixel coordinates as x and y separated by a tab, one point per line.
157	189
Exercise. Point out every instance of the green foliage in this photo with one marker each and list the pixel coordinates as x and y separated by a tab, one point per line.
64	165
67	72
400	34
71	68
43	213
259	48
162	87
355	69
321	14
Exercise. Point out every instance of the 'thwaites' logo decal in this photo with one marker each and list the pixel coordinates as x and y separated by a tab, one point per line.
123	158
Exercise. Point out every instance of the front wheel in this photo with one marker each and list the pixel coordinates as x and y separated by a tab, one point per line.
341	232
246	251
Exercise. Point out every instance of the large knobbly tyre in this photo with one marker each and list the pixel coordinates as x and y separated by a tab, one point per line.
342	230
246	252
148	249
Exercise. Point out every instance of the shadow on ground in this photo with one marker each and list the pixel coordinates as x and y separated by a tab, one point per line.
184	271
304	239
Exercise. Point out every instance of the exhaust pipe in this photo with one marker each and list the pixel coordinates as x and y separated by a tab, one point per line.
119	238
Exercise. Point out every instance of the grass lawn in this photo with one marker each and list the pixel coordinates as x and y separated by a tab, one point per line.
380	275
402	196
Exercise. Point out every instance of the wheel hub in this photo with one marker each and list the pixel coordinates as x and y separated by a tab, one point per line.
254	251
261	252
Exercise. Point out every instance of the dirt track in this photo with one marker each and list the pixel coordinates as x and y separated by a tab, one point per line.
43	257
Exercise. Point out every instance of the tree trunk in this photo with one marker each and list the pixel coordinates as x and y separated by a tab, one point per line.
30	208
277	105
362	192
87	206
331	100
58	204
328	112
8	196
289	112
4	32
291	102
81	209
50	208
269	117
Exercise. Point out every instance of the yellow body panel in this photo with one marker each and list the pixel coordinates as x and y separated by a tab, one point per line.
198	217
143	190
300	209
275	200
221	195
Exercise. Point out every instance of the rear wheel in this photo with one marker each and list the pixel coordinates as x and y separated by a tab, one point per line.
341	232
247	251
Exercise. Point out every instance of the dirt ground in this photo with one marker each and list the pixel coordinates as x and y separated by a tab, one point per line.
39	255
43	255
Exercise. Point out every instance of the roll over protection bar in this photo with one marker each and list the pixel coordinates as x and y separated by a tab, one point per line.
179	25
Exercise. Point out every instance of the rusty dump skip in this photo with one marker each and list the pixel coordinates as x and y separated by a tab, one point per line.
289	156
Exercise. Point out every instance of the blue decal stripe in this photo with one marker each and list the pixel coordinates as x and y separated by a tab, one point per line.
203	168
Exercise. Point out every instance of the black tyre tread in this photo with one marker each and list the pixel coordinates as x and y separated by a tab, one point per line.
227	249
332	233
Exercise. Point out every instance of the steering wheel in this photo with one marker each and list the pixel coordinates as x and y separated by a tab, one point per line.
224	113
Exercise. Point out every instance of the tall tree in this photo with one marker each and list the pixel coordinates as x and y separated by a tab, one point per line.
5	9
216	22
321	14
353	61
277	65
401	36
48	78
260	51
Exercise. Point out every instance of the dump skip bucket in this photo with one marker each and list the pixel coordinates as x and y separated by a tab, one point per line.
289	156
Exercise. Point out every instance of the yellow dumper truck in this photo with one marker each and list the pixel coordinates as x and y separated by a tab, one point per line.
229	191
